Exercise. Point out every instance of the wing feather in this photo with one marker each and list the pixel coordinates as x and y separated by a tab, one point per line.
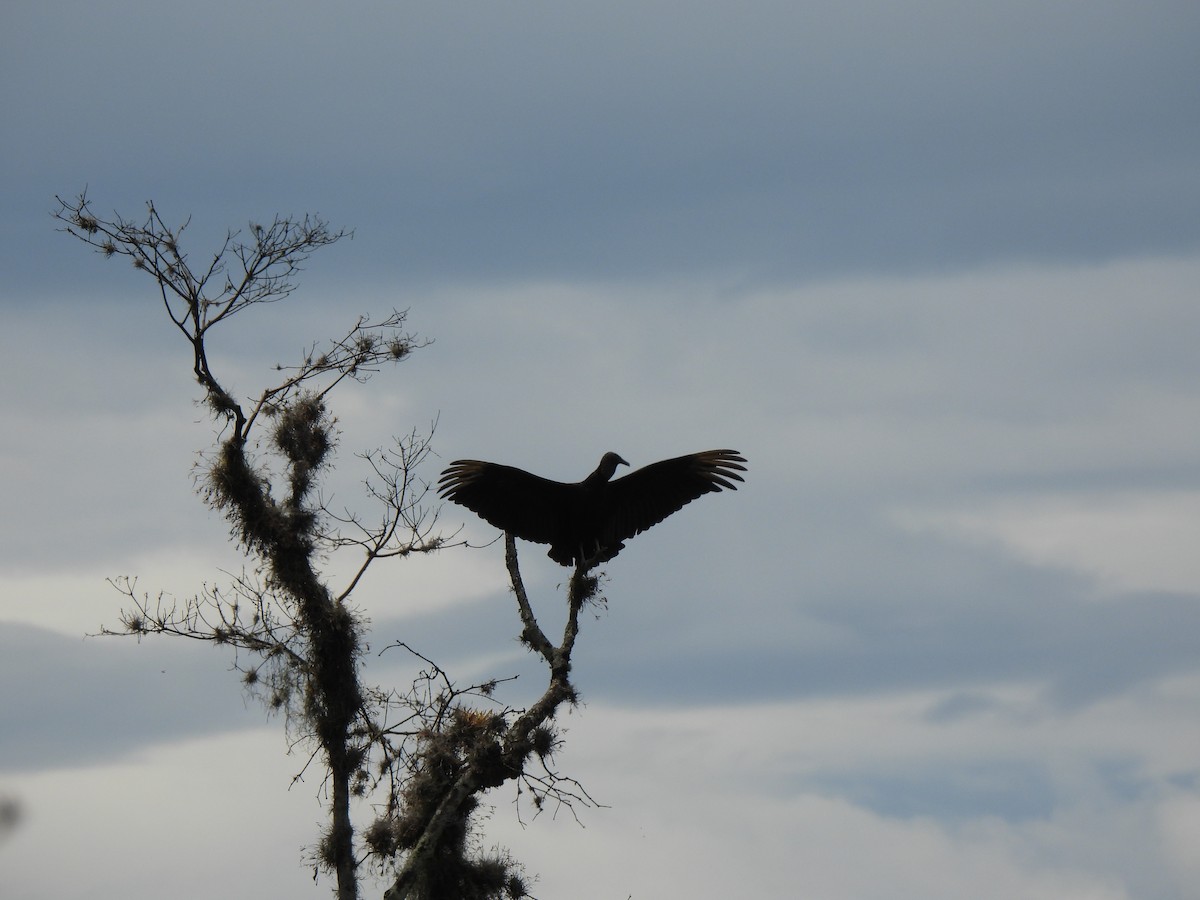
511	499
644	498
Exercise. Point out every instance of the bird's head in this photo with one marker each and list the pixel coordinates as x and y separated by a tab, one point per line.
608	465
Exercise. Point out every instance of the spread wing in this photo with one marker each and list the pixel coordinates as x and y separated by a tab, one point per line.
528	506
646	497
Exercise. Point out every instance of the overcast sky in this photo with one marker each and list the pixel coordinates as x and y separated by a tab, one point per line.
932	267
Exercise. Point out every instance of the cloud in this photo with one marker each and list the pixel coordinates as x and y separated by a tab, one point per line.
778	791
931	268
72	702
764	792
782	144
163	817
1126	542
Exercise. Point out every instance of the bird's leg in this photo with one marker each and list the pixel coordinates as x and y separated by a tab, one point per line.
601	552
589	560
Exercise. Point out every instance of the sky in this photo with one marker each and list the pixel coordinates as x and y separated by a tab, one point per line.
931	267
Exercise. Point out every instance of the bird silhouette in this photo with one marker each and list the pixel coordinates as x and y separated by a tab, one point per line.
587	522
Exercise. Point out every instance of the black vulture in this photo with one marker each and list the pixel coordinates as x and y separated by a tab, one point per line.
587	522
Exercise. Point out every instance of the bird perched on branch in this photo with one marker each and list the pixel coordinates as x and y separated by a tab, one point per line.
587	522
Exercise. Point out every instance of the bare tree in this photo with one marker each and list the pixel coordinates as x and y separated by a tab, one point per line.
482	751
418	759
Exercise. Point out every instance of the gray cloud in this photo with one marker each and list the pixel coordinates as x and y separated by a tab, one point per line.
912	260
924	617
74	702
778	144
